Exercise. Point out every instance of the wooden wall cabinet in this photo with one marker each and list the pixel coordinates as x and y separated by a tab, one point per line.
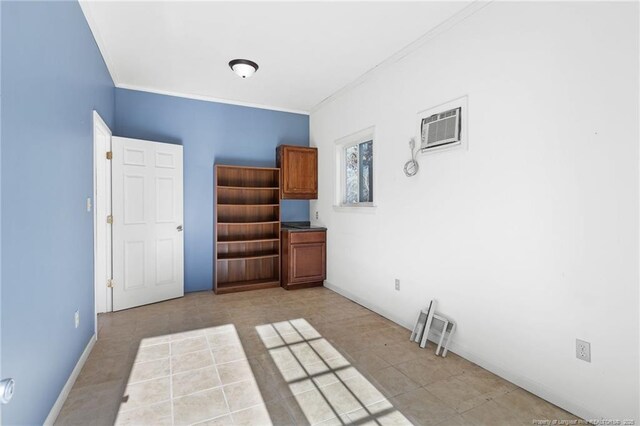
304	258
298	172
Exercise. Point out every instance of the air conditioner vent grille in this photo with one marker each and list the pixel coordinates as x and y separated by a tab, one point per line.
440	129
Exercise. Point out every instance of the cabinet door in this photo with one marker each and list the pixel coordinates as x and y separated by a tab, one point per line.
299	172
307	262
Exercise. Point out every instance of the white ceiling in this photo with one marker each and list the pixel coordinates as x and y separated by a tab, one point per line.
306	50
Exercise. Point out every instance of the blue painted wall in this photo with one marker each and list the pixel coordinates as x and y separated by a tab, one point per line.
53	76
210	133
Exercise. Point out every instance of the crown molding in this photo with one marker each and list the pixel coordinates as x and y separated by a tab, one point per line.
86	10
441	28
209	99
436	31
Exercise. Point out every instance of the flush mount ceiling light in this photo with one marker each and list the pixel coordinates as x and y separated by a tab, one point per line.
243	67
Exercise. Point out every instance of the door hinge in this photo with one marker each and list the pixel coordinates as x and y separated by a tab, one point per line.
110	220
109	155
109	283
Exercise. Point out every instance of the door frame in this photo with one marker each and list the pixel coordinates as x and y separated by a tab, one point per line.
102	236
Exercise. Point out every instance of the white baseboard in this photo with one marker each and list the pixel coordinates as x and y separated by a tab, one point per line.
527	384
524	382
367	304
64	393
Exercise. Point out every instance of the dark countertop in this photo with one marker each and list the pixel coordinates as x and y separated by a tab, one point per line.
300	227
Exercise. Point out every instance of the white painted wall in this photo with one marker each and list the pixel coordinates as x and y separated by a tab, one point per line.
530	238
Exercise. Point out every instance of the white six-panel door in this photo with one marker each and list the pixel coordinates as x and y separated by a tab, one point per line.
147	208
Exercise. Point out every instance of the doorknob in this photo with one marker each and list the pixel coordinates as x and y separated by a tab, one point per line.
7	386
179	228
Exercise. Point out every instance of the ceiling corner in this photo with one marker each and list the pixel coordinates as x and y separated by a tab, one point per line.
85	6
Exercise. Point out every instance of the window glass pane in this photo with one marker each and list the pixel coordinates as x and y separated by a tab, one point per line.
351	174
366	172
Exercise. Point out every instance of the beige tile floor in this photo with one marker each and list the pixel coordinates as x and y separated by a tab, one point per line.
284	358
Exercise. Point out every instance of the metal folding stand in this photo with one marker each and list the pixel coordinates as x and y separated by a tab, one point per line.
420	332
448	328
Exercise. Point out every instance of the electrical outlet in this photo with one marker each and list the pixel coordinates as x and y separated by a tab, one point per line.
317	215
76	317
583	350
397	284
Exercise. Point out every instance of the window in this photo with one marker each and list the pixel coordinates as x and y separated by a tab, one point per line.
359	173
355	177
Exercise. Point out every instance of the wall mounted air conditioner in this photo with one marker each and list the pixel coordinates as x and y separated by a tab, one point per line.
444	127
440	129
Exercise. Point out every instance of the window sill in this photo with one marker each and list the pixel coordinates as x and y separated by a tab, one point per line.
365	208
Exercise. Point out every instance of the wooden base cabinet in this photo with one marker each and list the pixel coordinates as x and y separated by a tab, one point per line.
304	259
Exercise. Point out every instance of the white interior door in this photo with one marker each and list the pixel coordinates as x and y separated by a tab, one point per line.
147	206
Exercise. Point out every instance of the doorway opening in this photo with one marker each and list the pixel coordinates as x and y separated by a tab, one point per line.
138	221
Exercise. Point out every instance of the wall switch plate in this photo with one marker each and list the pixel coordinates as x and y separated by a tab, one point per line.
397	284
583	350
88	204
76	318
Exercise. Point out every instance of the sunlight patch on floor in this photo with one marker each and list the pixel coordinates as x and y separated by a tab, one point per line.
191	377
326	387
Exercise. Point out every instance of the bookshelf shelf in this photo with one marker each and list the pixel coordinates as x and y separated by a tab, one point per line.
247	228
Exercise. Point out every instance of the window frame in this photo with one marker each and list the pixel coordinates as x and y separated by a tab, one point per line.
341	146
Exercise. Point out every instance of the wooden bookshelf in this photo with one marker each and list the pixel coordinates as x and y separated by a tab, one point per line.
247	228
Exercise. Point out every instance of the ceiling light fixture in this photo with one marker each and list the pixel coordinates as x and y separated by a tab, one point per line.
243	67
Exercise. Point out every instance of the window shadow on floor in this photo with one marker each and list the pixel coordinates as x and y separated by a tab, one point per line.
322	384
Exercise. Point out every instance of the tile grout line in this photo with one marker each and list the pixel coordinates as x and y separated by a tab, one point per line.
215	367
230	413
192	370
299	362
339	379
153	378
143	406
